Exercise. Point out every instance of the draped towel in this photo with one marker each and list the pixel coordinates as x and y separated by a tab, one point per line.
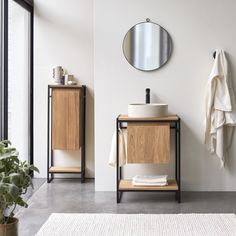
220	108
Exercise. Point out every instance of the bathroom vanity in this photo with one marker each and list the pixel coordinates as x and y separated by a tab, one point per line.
66	126
149	142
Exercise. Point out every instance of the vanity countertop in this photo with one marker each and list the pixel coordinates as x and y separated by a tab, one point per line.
64	86
126	118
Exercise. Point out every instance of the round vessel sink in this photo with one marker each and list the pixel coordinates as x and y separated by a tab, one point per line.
150	110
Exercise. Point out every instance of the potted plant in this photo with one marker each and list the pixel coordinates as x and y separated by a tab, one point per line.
15	179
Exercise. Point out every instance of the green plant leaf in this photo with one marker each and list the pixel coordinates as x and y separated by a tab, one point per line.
34	168
14	178
13	190
21	202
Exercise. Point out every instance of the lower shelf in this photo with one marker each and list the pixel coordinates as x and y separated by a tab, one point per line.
60	169
126	184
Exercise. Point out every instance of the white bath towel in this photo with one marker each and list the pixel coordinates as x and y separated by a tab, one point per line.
159	180
149	184
220	108
150	179
122	148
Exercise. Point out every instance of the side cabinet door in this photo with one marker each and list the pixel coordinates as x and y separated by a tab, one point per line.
65	119
148	143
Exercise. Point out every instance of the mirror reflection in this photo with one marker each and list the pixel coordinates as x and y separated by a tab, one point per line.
147	46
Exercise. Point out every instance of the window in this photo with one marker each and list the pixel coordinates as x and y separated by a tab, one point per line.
18	77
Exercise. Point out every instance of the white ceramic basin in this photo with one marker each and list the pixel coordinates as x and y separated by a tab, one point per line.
143	110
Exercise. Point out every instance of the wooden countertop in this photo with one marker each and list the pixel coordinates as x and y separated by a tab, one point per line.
166	118
64	86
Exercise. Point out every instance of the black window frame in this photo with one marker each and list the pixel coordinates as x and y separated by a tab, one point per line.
27	5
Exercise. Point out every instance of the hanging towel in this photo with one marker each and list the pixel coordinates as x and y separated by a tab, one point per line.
122	148
220	108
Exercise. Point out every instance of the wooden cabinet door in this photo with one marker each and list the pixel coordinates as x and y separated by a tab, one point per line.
65	118
148	143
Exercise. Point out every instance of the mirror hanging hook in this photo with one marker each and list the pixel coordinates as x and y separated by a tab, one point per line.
148	20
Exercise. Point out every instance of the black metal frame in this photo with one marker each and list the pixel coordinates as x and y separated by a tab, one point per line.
49	135
175	124
5	70
29	7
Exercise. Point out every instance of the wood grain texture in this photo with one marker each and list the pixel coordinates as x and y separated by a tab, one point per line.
148	143
126	184
170	117
62	169
65	118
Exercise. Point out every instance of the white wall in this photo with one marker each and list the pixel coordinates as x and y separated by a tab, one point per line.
197	28
63	36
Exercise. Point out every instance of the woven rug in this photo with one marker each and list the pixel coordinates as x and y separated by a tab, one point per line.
139	225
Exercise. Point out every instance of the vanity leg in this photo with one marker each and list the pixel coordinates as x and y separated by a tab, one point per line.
117	162
118	197
179	197
179	163
176	150
176	157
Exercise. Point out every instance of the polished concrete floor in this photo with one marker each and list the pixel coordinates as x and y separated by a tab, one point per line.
70	196
37	183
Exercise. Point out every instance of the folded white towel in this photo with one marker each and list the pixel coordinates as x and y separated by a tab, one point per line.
122	148
149	184
150	179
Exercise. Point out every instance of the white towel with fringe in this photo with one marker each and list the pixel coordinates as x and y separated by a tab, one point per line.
122	148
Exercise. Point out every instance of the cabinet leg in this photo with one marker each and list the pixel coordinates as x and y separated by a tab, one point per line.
49	178
83	177
118	197
179	196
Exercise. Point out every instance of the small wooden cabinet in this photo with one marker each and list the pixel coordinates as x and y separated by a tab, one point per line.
66	118
66	126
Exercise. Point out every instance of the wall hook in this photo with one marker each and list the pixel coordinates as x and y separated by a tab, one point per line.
214	54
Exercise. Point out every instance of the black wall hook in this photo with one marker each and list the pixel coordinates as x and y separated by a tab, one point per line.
214	54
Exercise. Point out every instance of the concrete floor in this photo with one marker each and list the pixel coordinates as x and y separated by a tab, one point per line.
37	183
70	196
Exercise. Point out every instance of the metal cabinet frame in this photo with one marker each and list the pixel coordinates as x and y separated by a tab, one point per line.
176	126
49	134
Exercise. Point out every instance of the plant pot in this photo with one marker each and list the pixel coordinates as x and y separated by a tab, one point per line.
10	229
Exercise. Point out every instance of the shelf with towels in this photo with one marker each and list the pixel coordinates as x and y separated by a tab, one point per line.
126	185
174	185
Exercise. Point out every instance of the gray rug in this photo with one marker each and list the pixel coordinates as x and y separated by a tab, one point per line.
139	225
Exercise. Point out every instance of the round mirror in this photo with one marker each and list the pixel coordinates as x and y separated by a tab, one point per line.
147	46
